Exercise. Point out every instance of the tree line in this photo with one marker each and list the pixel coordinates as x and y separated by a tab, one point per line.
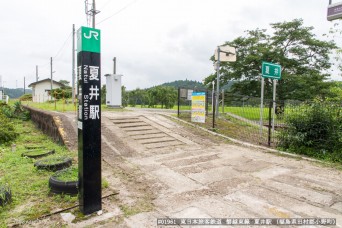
163	96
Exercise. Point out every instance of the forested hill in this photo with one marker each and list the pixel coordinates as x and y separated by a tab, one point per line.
184	84
15	93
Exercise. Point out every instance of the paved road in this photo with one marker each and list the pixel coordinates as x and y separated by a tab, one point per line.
164	169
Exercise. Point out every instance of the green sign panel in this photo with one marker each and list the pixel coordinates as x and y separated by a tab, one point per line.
270	70
88	39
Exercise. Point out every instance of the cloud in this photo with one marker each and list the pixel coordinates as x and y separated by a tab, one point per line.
154	41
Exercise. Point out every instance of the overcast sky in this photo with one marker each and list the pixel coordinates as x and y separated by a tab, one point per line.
155	41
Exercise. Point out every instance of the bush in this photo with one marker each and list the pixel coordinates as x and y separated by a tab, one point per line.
20	112
315	131
7	131
17	111
26	97
7	111
62	93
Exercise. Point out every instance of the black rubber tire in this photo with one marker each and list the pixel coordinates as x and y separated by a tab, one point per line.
65	163
43	154
63	187
7	196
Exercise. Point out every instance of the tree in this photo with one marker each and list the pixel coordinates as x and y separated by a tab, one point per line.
103	94
304	60
124	96
65	83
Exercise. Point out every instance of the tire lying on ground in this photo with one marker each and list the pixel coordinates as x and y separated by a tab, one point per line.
54	163
37	153
5	195
61	185
30	147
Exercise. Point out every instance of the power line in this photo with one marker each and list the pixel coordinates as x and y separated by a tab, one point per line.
105	4
59	51
119	11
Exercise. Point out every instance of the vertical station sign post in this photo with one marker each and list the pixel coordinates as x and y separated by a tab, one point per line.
89	119
272	71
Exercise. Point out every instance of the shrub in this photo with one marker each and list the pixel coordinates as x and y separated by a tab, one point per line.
26	97
7	111
7	131
315	131
20	112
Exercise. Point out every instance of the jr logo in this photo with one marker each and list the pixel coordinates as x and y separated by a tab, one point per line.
91	34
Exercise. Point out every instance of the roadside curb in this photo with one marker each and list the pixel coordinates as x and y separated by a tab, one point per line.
245	143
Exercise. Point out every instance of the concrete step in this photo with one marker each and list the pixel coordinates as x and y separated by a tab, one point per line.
156	140
144	132
149	136
163	144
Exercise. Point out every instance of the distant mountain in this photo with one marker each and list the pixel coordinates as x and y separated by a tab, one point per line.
16	93
185	84
229	85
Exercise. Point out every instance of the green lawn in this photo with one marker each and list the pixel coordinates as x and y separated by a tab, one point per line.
63	106
251	113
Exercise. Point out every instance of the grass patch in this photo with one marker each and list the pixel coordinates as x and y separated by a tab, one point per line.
142	205
53	160
233	128
67	106
29	186
104	183
37	152
66	175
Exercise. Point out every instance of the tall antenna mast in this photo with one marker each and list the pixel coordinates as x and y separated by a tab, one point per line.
87	12
91	13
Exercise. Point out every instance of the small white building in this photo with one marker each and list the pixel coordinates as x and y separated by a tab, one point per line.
41	90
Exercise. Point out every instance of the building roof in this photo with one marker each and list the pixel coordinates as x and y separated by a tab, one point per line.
45	80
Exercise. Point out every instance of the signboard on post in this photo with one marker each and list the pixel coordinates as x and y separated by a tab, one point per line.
223	53
89	119
190	91
198	107
334	11
270	70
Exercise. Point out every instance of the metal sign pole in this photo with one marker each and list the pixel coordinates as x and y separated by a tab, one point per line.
222	101
274	103
261	106
218	82
89	119
212	97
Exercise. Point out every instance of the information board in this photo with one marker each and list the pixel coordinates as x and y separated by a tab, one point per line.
198	107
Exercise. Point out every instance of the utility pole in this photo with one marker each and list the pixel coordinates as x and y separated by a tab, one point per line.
73	64
218	82
37	73
51	76
114	69
91	12
94	13
24	85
